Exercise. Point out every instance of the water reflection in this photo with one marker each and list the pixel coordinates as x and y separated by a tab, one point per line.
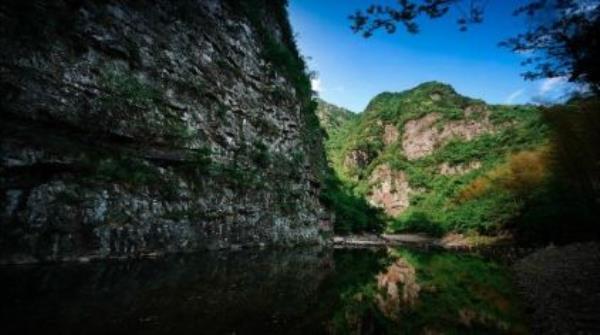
308	291
398	288
431	293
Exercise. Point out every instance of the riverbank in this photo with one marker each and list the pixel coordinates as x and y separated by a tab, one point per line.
561	286
450	241
366	240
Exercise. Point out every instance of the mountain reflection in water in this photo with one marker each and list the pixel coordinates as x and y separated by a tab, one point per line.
299	291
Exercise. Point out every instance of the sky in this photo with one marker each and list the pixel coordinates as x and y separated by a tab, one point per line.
351	70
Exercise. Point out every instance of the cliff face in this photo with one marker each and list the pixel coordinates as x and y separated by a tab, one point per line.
153	126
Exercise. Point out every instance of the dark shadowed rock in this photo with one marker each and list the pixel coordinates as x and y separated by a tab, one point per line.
140	127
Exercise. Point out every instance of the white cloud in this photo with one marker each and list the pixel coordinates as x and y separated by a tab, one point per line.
556	90
316	85
514	95
585	7
550	84
525	53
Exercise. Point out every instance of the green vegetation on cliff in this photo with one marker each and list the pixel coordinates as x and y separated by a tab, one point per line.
436	161
332	117
352	211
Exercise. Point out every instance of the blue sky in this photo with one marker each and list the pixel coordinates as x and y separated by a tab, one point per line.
352	70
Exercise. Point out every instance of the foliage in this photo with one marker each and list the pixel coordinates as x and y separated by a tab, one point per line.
531	178
126	170
260	154
331	117
567	208
416	221
565	43
406	12
521	174
352	212
513	156
541	194
126	90
576	135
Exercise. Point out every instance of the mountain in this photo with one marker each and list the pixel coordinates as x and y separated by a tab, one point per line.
332	117
438	161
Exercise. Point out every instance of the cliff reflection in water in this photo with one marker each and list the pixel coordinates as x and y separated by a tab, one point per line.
429	293
302	291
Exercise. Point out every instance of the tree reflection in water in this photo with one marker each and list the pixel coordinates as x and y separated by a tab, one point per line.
418	292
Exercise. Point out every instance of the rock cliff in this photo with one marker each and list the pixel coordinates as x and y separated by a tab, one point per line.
154	126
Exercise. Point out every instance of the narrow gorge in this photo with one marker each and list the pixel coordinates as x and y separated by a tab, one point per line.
279	167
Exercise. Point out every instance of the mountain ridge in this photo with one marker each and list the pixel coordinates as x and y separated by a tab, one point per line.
332	117
413	153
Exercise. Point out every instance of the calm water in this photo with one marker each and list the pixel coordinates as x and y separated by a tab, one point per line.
303	291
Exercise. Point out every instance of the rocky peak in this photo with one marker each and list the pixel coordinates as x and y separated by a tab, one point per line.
428	92
433	86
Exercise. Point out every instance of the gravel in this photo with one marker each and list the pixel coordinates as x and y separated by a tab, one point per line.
561	286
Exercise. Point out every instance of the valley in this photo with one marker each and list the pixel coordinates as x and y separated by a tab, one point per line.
179	167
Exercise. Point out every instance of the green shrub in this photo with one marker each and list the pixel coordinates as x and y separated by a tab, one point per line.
353	213
236	175
124	89
127	170
415	221
260	154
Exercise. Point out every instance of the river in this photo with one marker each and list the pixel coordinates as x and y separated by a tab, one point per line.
297	291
